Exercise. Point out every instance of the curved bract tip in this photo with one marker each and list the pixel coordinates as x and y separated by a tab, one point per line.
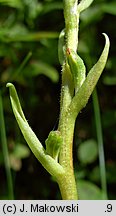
107	39
9	85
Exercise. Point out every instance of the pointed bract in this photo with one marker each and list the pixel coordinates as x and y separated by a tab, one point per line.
81	98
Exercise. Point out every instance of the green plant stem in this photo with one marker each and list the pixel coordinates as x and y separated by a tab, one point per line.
5	152
71	16
67	183
100	143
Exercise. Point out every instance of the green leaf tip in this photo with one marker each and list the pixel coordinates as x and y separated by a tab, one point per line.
15	101
99	66
9	85
107	39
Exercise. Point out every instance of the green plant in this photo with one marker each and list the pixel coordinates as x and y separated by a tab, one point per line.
5	152
76	89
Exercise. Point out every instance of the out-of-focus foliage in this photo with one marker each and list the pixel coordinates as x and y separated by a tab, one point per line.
88	151
88	190
33	26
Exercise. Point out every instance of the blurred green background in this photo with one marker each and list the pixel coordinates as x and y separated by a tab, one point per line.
29	31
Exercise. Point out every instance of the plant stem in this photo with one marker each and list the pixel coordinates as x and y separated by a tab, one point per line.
71	23
100	143
5	152
67	183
